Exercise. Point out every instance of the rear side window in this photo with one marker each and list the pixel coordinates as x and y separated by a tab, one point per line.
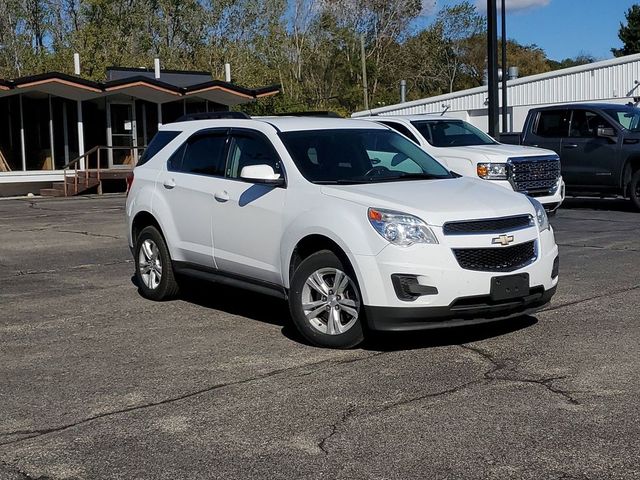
553	124
202	154
158	142
398	127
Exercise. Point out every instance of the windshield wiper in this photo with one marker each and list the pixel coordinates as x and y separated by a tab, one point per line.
341	181
414	176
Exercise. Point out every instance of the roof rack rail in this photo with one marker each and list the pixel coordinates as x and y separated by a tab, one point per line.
213	116
319	113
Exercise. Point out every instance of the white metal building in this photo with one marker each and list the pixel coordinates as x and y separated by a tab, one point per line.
615	81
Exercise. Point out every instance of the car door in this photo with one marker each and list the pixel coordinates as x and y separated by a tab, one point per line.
247	220
549	128
588	160
188	186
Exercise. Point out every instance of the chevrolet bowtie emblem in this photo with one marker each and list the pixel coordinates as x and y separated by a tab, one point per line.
503	240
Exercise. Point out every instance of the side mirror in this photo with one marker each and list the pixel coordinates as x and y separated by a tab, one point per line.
261	174
606	132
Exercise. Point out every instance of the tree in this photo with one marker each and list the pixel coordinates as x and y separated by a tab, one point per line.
629	34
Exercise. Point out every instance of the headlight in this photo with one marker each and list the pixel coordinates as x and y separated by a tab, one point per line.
400	228
492	171
541	214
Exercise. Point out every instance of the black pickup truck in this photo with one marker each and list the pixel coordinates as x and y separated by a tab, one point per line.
598	145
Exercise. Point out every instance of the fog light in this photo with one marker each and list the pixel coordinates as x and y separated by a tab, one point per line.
556	268
408	289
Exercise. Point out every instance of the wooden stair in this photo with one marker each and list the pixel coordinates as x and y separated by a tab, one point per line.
84	184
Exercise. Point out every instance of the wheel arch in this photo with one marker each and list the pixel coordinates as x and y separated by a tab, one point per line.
631	166
141	220
312	243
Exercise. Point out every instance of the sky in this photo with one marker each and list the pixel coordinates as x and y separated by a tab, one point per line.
563	28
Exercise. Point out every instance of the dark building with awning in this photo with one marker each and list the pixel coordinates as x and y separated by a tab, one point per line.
50	120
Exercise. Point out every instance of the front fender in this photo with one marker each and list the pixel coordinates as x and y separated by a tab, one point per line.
345	225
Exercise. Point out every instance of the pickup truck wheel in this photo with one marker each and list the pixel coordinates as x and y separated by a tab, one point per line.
154	272
634	189
325	302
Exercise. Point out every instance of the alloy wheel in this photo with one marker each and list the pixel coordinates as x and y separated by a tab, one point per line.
150	264
330	301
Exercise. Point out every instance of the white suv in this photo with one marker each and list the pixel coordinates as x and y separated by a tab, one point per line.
468	151
352	223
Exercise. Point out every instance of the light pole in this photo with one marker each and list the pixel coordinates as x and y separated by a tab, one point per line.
505	76
492	67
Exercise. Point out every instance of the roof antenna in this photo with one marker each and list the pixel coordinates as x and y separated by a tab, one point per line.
446	109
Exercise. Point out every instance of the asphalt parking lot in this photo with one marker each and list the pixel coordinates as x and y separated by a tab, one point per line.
96	382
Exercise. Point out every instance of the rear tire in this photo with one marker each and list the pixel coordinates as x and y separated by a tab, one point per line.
634	189
325	302
154	271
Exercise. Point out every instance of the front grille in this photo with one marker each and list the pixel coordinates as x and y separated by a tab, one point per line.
505	259
535	176
489	225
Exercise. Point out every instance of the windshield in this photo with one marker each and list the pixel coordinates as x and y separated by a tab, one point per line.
350	156
452	133
628	117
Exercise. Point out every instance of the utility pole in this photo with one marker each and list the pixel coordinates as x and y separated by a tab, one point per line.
492	67
505	76
364	74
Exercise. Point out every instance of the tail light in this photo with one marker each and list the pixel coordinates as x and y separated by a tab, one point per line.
129	182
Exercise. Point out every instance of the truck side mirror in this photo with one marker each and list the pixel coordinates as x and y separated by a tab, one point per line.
607	132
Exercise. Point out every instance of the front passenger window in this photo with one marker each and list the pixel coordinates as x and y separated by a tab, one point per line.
247	150
585	124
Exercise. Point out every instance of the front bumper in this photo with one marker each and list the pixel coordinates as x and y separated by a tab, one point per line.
551	202
396	319
449	294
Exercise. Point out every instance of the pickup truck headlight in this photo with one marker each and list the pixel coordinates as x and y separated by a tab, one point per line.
492	171
541	214
400	228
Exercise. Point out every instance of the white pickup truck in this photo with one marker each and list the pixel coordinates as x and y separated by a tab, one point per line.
468	151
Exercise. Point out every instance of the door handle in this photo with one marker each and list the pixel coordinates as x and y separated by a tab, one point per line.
570	145
169	183
222	196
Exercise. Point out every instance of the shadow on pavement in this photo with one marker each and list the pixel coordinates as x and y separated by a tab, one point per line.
394	341
271	310
602	204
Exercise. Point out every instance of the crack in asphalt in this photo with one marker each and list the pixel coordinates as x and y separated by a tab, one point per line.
584	300
519	377
89	234
334	428
20	273
41	432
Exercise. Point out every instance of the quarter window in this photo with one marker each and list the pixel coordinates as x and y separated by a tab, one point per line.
247	150
159	141
553	124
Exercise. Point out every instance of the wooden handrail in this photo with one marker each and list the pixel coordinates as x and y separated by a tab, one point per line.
87	155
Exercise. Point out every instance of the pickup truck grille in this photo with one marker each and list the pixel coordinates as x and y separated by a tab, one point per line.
535	176
497	259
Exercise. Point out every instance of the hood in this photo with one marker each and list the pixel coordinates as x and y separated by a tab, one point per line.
496	153
437	201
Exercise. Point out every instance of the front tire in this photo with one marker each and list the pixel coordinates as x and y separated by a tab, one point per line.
634	189
325	302
154	272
